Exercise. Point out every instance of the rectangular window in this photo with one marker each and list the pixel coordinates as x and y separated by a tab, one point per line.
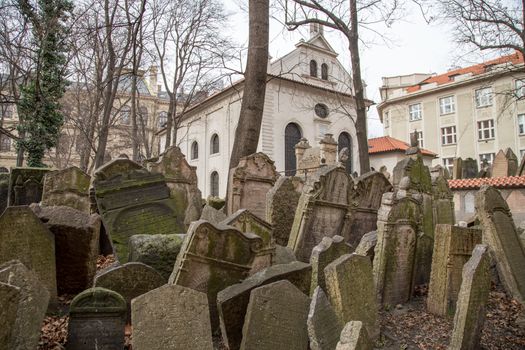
419	135
521	124
415	112
489	157
5	143
520	88
447	105
386	120
484	97
486	129
448	135
6	111
448	163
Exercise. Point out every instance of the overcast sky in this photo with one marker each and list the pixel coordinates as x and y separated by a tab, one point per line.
415	46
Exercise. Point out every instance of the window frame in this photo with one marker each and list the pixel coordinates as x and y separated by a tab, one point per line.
450	166
419	135
214	137
214	174
521	126
194	146
480	97
443	105
520	87
314	68
324	71
482	129
452	134
419	112
491	157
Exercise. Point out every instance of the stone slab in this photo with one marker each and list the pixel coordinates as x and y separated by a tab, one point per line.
68	187
330	249
354	337
323	325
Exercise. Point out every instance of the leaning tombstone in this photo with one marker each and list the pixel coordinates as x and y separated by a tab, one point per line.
232	302
9	302
68	187
25	185
4	189
473	296
457	168
171	317
442	202
453	246
323	325
97	318
212	215
249	182
500	234
354	337
350	289
367	245
23	237
129	280
283	255
32	306
133	201
276	317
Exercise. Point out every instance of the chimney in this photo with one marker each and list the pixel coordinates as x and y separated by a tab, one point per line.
316	28
153	70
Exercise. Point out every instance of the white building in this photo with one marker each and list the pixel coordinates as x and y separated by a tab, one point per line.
308	94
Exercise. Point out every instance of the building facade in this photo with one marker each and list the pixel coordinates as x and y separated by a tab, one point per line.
469	112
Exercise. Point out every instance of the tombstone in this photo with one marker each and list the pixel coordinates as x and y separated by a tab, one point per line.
383	170
129	280
457	168
309	162
133	201
249	182
32	305
4	190
246	222
281	204
440	170
25	186
369	189
171	317
323	325
25	238
158	251
473	296
97	318
283	255
505	163
68	187
442	202
453	246
521	168
350	289
212	215
500	234
469	169
398	227
330	249
367	245
354	337
279	302
181	179
76	245
324	210
213	258
9	302
419	179
232	302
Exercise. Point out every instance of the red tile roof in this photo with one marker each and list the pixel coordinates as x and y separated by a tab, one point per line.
515	58
498	182
390	144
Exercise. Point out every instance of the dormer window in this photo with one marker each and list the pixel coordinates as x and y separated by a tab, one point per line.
313	68
324	71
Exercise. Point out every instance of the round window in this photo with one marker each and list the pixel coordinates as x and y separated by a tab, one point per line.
321	110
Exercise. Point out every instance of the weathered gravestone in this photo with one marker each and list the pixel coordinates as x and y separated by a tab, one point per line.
171	317
367	245
457	168
212	215
23	237
9	302
32	306
440	170
281	204
246	222
330	249
68	187
276	318
350	289
473	296
213	258
232	302
129	280
369	189
500	234
521	168
354	337
505	163
4	190
470	169
249	182
76	245
133	201
323	325
453	246
324	210
181	178
97	318
283	255
25	185
157	251
442	202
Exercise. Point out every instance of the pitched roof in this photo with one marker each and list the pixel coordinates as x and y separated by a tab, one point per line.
514	59
497	182
390	144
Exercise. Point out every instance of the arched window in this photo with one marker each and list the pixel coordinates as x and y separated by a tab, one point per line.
313	68
214	144
214	184
163	119
194	150
292	135
125	112
143	111
324	71
345	140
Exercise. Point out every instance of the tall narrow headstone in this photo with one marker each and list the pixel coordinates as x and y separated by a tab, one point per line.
442	202
4	190
457	168
367	245
505	163
470	169
25	185
354	337
323	325
9	302
68	187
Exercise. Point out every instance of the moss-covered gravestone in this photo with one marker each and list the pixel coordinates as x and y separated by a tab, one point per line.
354	337
9	302
133	201
68	187
276	318
97	319
453	246
323	325
4	189
171	317
212	215
367	245
25	185
442	202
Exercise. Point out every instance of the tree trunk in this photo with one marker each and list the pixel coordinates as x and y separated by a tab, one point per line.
134	125
250	118
171	117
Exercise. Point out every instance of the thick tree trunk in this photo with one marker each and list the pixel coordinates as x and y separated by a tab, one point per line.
171	118
250	119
